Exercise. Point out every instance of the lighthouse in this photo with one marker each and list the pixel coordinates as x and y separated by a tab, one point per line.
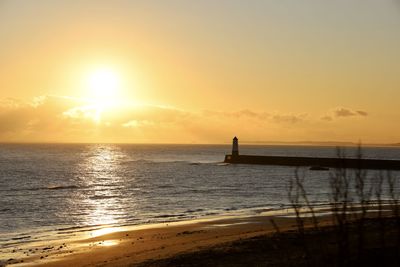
235	147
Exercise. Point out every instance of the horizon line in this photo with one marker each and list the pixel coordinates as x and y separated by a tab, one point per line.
245	142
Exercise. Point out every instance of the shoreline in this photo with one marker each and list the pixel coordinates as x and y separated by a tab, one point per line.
151	237
138	244
71	232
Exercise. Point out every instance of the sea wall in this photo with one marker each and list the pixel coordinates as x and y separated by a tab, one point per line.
322	162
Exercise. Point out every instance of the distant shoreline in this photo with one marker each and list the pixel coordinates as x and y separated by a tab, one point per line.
316	143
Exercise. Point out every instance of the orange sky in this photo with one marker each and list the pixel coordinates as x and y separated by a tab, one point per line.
199	72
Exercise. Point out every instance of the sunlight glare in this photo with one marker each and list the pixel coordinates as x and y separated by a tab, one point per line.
104	231
103	84
103	91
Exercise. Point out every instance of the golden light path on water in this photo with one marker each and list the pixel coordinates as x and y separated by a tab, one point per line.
102	205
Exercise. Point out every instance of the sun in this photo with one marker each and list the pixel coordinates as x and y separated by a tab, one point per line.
102	92
103	84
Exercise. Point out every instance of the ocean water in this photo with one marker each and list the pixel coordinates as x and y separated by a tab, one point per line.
49	191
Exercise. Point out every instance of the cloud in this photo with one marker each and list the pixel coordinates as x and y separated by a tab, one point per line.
342	112
244	113
42	114
66	119
346	112
276	117
292	119
327	118
362	113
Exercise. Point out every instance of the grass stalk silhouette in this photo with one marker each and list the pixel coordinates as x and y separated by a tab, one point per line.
380	178
352	194
363	195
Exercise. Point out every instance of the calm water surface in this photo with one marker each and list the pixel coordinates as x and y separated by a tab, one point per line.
50	190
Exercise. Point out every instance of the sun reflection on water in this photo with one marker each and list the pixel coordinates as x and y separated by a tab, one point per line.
108	243
104	231
104	183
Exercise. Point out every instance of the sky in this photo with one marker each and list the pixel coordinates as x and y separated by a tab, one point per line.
199	71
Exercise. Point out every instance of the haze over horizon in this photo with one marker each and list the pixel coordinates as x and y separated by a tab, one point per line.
199	72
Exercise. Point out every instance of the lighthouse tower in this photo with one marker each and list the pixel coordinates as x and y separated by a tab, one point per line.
235	147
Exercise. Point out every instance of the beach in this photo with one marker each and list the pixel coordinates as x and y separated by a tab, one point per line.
140	244
270	239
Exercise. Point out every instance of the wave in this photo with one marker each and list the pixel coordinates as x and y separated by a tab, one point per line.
50	187
190	162
169	216
83	228
205	162
20	238
231	209
166	186
103	197
136	161
4	210
72	228
59	187
193	211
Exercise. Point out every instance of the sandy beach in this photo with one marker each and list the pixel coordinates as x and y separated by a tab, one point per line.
140	245
224	241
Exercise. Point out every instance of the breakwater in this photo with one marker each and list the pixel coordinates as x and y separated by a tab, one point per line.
353	163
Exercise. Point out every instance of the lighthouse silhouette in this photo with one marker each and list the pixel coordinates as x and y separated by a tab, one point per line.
235	147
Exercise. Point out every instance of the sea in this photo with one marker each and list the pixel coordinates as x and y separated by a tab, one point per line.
52	191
